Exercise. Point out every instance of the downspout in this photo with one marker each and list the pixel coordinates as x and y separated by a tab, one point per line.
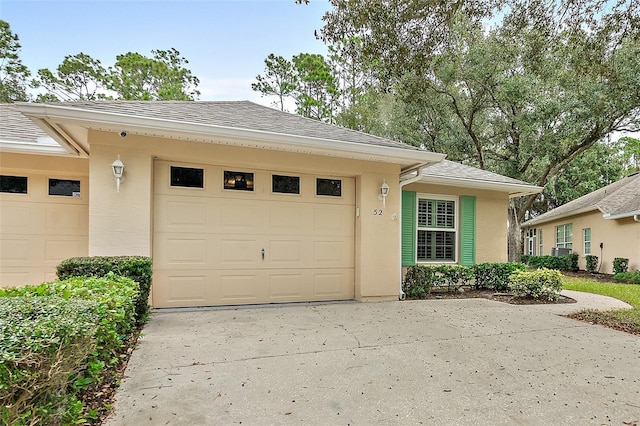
417	177
636	218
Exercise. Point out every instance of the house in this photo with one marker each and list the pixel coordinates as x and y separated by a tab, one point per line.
236	203
602	223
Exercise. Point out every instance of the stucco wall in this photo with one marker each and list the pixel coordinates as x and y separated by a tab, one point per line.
491	218
38	230
122	223
619	238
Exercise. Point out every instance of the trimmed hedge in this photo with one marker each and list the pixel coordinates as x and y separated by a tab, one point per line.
567	262
495	276
138	268
55	339
620	265
591	262
627	277
538	284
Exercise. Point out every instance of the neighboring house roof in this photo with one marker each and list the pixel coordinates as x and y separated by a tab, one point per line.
617	200
18	133
456	174
241	123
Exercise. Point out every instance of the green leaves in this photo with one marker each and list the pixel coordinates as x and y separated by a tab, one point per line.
13	74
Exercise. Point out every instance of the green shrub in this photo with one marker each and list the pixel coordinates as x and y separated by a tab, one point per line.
494	276
454	276
138	268
627	277
592	263
418	281
44	342
538	284
567	262
620	265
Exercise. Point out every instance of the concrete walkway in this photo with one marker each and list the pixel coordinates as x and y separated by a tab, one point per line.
468	361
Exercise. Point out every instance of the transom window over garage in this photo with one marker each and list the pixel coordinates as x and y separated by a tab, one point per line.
329	187
64	187
13	184
187	177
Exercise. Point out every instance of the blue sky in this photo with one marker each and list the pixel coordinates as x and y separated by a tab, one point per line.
225	42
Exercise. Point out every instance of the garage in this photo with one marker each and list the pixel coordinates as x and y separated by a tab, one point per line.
233	235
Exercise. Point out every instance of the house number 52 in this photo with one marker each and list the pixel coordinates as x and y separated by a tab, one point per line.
377	212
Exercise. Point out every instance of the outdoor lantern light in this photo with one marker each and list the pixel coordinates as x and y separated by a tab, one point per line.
118	170
384	191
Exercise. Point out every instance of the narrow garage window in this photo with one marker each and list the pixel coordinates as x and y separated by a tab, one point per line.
285	184
330	187
187	177
13	184
239	181
64	187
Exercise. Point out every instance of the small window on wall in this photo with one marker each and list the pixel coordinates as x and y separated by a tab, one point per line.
239	181
13	184
187	177
564	236
64	187
330	187
540	252
586	237
285	184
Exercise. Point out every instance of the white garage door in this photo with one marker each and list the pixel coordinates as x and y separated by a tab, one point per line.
43	220
228	235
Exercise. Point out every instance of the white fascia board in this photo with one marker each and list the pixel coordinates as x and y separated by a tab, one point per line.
31	148
513	189
621	215
189	131
539	220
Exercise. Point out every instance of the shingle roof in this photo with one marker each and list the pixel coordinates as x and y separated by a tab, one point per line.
450	169
16	127
237	114
617	199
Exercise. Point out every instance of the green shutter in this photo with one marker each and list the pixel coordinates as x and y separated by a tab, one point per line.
467	230
408	228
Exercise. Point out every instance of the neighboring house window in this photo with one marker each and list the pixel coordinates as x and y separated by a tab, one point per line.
436	238
564	236
540	251
531	241
586	238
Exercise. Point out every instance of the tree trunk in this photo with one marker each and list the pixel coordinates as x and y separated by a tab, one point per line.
514	246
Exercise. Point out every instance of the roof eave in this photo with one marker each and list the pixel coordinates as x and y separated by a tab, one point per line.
107	121
621	215
539	220
513	189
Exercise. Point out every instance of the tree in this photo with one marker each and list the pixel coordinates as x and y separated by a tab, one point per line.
162	77
522	97
630	148
317	92
280	79
14	75
78	77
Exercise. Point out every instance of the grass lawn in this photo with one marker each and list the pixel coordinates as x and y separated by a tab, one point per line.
621	319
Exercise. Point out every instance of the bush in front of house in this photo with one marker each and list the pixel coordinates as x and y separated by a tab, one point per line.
627	277
568	262
537	284
418	281
454	276
495	276
592	263
55	339
620	265
138	268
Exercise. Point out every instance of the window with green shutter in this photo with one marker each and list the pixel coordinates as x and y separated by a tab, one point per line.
408	228
467	230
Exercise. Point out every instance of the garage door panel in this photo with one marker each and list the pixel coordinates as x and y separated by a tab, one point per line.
60	248
241	252
291	253
287	287
65	219
240	287
191	251
338	252
333	220
177	290
333	285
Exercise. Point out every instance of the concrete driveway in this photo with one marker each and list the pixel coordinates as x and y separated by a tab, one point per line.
447	362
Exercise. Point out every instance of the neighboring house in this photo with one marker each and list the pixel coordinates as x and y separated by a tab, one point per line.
602	223
235	202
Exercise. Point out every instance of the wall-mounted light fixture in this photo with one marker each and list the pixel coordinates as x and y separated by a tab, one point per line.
384	191
118	170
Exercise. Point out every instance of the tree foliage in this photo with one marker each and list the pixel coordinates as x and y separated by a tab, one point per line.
78	77
279	79
14	75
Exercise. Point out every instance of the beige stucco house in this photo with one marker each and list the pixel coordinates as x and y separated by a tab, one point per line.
235	202
604	223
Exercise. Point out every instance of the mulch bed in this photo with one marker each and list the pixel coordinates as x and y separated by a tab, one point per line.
603	278
492	295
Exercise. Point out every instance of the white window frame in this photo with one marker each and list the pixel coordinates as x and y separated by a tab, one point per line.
585	241
540	246
567	237
455	230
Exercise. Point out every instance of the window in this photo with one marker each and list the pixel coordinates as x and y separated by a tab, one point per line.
564	236
285	184
187	177
13	184
239	181
436	239
586	238
330	187
540	251
531	241
64	187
